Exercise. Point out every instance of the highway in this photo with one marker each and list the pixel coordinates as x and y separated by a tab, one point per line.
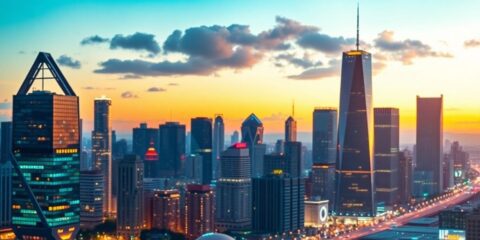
462	195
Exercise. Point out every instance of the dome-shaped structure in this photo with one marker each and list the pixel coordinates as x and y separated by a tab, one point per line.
215	236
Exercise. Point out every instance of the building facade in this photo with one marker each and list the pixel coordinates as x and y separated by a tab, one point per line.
199	210
234	190
290	130
428	173
172	149
387	137
218	143
252	134
91	199
5	175
201	144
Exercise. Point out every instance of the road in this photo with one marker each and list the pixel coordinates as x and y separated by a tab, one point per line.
460	197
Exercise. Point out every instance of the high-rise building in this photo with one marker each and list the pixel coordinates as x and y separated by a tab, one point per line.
234	190
199	210
290	162
235	138
165	210
252	134
101	148
151	162
202	145
405	178
218	143
473	225
278	203
290	130
172	149
193	167
5	175
354	181
387	137
324	147
91	199
130	201
143	139
46	161
280	146
429	148
447	174
460	161
453	222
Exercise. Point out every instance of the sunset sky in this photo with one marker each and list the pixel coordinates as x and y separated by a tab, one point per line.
173	60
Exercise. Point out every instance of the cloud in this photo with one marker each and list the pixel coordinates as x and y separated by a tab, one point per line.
406	50
97	88
131	76
136	41
95	39
67	61
472	43
173	84
324	43
319	72
5	105
275	117
156	89
128	94
304	62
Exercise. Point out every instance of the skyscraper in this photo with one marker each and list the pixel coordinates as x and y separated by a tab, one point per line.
290	130
151	163
387	137
5	175
405	178
252	134
429	148
199	210
130	197
324	147
235	137
218	143
234	190
45	132
202	145
278	203
143	139
290	162
172	149
460	163
354	187
101	148
91	199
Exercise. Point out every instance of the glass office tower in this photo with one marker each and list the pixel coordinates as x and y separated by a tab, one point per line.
45	133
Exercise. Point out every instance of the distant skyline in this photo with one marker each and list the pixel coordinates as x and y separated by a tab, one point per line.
228	62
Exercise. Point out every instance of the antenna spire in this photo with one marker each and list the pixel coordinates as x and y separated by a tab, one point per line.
358	25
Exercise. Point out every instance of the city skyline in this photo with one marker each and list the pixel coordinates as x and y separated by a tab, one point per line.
230	84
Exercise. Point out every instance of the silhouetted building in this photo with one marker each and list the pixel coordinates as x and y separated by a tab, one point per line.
202	145
428	171
235	137
453	223
234	190
447	167
172	149
290	130
101	148
142	138
280	146
278	204
387	137
460	161
324	147
130	201
290	162
354	187
46	161
252	134
151	163
91	199
5	175
199	210
194	168
218	143
473	225
405	175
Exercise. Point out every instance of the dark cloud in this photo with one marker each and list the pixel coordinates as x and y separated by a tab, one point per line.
472	43
319	72
405	50
324	43
136	41
67	61
156	89
128	94
131	76
93	40
305	62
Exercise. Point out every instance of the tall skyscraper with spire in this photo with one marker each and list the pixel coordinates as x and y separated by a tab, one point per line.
46	157
218	143
101	148
354	187
291	127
